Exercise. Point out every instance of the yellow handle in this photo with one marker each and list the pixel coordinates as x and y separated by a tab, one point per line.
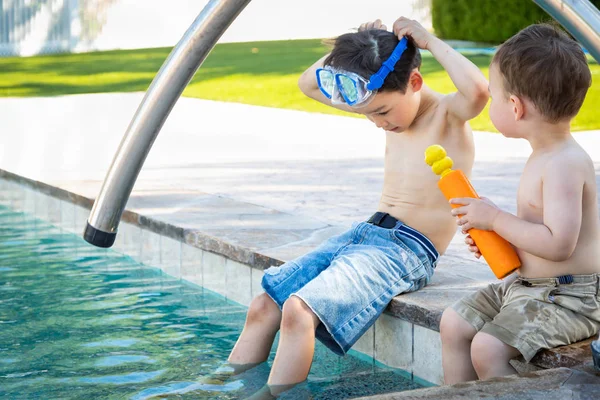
435	156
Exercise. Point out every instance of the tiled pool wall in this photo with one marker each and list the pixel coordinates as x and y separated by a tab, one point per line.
391	341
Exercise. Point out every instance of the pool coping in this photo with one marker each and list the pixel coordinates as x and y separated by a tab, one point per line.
551	384
415	308
426	317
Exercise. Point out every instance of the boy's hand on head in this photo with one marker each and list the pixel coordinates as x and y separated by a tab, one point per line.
475	213
472	246
408	27
377	24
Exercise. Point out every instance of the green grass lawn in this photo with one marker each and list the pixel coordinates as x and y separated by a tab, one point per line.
261	73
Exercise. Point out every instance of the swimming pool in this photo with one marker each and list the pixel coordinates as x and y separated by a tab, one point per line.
78	322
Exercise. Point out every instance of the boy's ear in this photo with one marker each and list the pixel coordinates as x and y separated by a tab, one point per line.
415	80
518	107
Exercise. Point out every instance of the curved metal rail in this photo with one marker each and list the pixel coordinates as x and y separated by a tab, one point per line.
165	90
580	18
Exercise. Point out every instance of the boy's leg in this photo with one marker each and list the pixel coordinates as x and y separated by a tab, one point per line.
457	335
537	314
491	357
296	346
264	315
460	324
254	344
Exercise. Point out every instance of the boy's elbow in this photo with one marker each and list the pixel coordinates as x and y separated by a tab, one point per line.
562	252
481	95
301	82
556	256
473	101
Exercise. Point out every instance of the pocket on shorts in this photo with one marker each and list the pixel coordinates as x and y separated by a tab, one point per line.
415	265
398	238
412	247
574	297
517	293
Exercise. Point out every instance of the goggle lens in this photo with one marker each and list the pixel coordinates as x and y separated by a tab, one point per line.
348	88
326	81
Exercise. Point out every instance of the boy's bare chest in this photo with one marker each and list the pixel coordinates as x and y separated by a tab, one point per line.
405	153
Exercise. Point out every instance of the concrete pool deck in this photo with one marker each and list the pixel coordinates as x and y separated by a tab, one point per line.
251	187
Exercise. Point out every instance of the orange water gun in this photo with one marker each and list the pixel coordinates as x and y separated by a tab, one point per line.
498	253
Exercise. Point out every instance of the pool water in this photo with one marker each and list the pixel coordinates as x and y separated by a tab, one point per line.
78	322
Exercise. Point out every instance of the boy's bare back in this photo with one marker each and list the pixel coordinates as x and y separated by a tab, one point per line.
550	166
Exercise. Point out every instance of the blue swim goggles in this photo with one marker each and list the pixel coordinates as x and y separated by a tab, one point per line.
347	87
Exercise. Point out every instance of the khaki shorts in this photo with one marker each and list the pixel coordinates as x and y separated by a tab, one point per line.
535	314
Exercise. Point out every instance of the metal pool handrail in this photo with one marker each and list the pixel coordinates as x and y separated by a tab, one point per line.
165	90
580	18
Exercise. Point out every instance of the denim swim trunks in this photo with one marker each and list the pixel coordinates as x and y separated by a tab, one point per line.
349	279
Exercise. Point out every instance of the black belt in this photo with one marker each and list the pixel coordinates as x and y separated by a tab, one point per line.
383	220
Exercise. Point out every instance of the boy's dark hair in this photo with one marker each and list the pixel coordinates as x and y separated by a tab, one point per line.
543	64
364	52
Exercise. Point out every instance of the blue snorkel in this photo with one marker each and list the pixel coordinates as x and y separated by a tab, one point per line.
376	80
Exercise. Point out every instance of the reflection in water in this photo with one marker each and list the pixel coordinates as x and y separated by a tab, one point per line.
78	322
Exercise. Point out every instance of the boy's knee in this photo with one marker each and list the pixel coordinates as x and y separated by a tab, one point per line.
487	352
263	309
297	315
454	328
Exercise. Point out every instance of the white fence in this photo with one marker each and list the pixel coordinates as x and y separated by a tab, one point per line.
48	26
30	27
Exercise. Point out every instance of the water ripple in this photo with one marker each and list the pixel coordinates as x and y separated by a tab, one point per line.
78	322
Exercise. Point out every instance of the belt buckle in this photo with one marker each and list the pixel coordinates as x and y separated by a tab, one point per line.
377	218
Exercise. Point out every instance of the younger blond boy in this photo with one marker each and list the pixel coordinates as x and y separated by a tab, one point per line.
538	81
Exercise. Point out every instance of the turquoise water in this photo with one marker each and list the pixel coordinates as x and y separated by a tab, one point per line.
78	322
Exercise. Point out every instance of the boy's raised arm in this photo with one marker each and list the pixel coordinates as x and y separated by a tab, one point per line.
473	94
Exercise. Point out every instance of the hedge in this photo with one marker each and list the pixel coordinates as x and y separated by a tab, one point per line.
489	21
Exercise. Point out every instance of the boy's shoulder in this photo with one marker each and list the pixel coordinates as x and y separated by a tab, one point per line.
440	108
434	104
570	156
567	162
